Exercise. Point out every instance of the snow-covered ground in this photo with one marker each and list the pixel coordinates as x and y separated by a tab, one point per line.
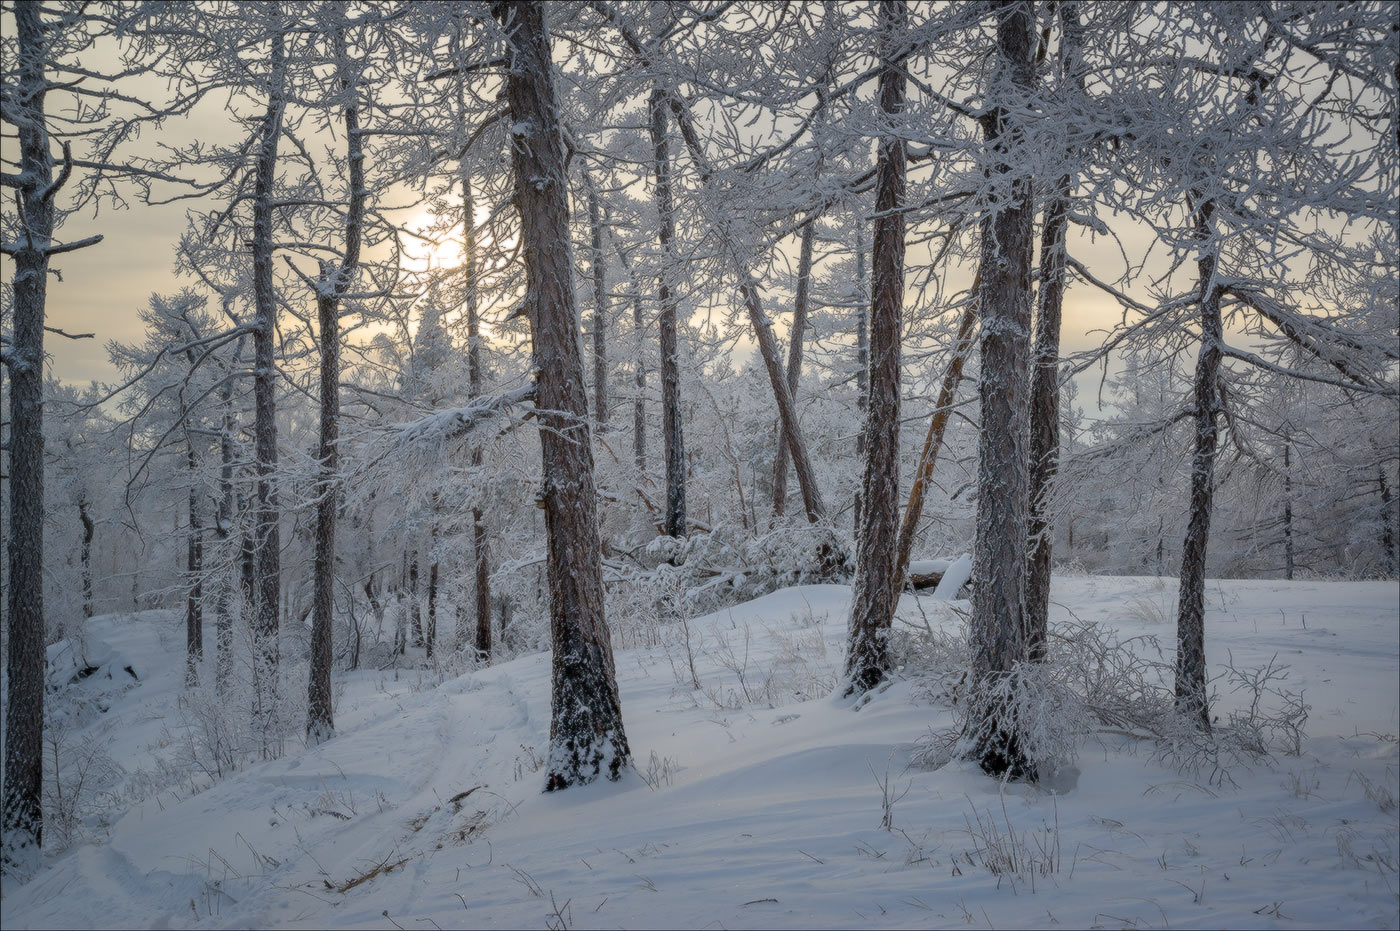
759	801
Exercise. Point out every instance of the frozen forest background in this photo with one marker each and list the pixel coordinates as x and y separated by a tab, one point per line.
517	328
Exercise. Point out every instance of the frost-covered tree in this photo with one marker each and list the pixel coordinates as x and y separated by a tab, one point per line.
876	587
587	739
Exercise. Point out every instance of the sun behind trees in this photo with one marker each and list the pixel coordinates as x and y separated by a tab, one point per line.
337	461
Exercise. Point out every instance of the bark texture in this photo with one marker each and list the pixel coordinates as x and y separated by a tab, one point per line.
223	533
672	434
600	307
194	576
23	827
587	739
267	547
481	554
334	284
88	530
876	589
794	365
1003	485
933	440
1045	372
862	361
1191	699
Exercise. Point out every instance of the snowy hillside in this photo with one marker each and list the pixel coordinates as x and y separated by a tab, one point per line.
759	800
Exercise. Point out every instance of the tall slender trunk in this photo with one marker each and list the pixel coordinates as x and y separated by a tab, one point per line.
194	576
223	531
336	281
430	634
998	631
1191	698
267	547
586	733
481	555
639	369
1045	371
21	836
794	366
639	382
875	592
88	530
862	360
413	600
933	440
600	307
672	435
1288	507
1388	547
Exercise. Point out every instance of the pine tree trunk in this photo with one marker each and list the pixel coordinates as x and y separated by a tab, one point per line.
1191	698
787	411
586	733
933	440
1045	372
1388	540
430	635
194	575
88	530
672	435
600	307
267	547
223	532
862	360
481	555
639	382
1003	485
875	592
794	366
1287	507
639	369
413	600
21	836
320	723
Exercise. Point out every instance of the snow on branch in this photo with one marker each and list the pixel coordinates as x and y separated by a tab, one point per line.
430	434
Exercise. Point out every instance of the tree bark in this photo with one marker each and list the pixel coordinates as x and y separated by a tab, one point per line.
223	531
1388	540
1288	507
586	735
875	592
88	530
21	836
600	307
672	434
639	382
481	555
933	440
639	369
413	600
1191	698
794	366
194	569
267	548
998	631
335	283
1045	372
862	364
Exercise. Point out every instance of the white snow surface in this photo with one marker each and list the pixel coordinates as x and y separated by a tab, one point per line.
760	809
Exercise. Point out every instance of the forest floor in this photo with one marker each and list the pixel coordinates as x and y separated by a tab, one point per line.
758	799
